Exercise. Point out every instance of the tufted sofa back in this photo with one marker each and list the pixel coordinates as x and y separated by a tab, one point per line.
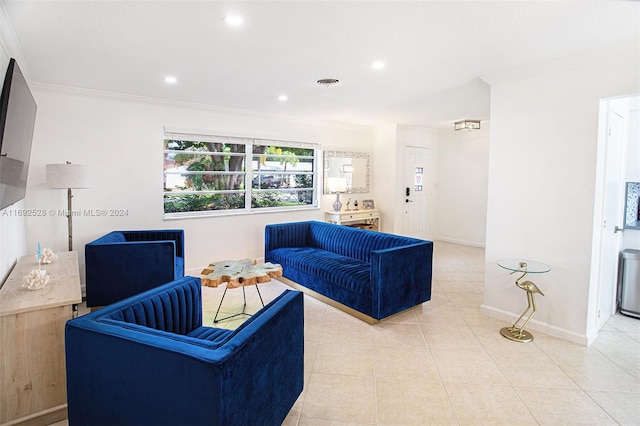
352	242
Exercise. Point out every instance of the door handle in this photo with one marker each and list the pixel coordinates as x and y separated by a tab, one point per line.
408	201
618	229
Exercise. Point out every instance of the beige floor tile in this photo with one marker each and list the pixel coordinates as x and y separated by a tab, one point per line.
342	328
439	314
599	373
472	316
461	286
624	407
346	359
338	398
616	343
464	366
485	404
559	406
442	337
397	334
464	300
412	402
404	362
532	371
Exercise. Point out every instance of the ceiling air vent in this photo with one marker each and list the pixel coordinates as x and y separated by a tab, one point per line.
328	82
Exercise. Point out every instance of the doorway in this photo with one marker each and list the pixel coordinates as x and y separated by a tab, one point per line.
418	184
612	174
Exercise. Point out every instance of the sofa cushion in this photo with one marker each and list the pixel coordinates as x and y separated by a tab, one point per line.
346	272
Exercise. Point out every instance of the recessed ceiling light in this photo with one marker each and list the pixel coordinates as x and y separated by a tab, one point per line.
283	98
377	65
170	79
234	20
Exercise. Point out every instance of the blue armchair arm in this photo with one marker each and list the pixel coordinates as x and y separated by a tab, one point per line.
399	278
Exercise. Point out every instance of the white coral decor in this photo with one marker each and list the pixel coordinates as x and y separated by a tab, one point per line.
36	279
48	256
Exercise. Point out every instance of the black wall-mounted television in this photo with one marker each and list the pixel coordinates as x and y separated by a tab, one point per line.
17	119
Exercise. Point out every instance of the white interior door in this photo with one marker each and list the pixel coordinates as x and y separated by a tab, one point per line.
613	217
418	191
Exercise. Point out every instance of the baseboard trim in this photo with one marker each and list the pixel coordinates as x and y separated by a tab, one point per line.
328	301
540	326
463	242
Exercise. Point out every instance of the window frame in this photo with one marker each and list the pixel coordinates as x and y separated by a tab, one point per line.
248	172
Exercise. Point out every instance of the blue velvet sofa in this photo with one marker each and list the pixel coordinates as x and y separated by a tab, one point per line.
371	275
147	360
123	263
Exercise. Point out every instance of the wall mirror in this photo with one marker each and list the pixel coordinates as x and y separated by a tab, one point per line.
352	166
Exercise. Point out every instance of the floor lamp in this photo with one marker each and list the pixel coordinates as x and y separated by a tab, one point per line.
68	176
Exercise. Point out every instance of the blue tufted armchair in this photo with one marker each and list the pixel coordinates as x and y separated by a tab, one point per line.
123	263
148	360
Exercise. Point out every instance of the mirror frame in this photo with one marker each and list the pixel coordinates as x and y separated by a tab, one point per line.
328	155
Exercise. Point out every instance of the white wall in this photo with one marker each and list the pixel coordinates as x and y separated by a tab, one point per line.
463	170
544	135
120	139
633	148
384	182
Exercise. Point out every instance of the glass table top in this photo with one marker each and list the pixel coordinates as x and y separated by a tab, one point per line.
520	265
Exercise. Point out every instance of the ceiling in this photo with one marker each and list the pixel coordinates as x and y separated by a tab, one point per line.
435	52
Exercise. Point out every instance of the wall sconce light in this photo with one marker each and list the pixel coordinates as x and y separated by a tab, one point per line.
467	125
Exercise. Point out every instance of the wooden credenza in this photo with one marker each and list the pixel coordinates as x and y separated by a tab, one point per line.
365	219
33	387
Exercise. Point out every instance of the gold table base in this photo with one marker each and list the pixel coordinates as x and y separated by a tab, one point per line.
516	334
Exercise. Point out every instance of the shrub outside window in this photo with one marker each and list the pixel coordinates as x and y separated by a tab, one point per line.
205	174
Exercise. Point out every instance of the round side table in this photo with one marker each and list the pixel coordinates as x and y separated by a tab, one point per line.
523	267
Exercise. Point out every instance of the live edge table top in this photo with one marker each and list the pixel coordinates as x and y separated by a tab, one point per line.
239	273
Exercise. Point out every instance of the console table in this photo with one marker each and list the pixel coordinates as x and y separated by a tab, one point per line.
33	385
365	219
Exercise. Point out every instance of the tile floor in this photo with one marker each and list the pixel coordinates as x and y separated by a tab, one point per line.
444	363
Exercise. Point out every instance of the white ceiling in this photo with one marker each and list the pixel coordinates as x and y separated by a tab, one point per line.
435	51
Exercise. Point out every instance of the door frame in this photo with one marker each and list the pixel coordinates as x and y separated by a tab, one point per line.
595	320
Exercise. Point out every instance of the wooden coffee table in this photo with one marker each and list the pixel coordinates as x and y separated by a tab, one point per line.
238	273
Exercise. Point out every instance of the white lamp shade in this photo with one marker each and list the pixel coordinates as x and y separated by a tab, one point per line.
335	184
67	176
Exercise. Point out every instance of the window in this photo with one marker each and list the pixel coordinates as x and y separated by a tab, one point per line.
206	173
